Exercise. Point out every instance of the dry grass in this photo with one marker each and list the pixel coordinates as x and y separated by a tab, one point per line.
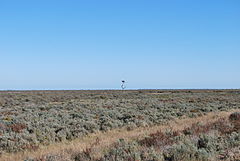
102	140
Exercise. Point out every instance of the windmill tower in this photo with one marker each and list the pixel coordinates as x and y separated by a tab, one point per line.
123	86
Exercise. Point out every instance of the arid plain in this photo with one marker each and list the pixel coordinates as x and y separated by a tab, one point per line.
133	125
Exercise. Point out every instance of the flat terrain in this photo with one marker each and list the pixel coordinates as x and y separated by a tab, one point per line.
30	120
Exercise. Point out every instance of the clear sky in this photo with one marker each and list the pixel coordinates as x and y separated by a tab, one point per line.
94	44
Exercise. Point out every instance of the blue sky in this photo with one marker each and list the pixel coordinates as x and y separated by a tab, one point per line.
93	44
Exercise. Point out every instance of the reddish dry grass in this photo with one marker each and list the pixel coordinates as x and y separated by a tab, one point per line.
235	120
30	147
160	139
6	113
18	127
222	125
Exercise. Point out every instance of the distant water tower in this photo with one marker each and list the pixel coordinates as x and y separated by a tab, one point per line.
123	86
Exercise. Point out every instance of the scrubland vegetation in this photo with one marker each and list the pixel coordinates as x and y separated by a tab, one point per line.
32	119
219	140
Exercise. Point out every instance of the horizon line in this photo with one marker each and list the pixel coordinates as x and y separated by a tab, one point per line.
111	89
